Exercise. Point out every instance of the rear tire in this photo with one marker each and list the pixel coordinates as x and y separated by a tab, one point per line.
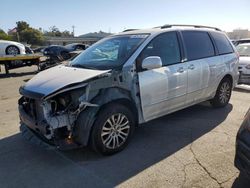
223	94
112	129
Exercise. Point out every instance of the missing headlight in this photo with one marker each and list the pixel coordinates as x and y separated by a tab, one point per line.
64	100
60	103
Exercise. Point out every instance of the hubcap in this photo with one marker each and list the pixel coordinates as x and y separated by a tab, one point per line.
12	50
225	92
115	131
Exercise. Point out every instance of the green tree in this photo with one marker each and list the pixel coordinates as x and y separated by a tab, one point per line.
4	36
28	34
55	32
66	33
21	26
32	36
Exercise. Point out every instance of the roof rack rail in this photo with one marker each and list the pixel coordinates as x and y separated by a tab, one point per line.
195	26
126	30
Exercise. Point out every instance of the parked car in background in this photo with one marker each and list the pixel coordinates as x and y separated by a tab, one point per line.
125	80
241	41
11	48
244	63
242	156
39	49
75	47
28	50
57	51
63	52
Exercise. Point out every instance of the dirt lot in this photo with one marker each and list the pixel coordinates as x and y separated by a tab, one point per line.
190	148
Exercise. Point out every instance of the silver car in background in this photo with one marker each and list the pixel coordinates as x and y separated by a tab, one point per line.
244	63
124	80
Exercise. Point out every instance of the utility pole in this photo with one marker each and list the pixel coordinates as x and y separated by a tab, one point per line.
73	32
18	37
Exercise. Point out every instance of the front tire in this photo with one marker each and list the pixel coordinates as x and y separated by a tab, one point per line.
112	129
223	94
12	50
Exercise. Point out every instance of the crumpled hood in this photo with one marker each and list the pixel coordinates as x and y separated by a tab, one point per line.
58	77
244	61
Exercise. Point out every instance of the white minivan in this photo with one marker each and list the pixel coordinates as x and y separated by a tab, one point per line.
124	80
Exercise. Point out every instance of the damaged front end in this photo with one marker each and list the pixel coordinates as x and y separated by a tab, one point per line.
53	118
59	106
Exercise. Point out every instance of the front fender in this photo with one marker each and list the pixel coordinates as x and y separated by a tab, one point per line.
87	117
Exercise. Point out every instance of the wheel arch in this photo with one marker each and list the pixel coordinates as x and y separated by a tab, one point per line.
228	76
86	118
215	101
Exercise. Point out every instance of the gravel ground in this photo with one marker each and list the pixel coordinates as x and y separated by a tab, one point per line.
194	147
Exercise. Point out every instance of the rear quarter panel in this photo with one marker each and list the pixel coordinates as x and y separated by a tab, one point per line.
221	66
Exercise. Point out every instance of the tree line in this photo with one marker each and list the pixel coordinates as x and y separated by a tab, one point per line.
23	32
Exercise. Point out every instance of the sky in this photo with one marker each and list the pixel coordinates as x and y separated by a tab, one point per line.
116	15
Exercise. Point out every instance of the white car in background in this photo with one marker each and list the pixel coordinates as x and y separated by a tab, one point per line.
244	63
11	48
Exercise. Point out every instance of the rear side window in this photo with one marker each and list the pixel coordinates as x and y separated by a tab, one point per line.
198	45
222	43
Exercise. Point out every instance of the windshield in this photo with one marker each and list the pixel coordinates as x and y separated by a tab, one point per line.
244	50
109	53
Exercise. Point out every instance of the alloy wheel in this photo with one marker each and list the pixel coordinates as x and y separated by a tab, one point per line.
12	50
115	131
225	91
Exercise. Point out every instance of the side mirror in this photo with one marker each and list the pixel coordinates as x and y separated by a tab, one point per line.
151	62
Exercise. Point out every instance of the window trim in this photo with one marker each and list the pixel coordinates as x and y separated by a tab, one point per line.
185	50
181	52
214	44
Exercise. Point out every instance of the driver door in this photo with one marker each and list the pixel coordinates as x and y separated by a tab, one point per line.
162	90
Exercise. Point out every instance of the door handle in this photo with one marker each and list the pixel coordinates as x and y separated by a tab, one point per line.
180	70
191	67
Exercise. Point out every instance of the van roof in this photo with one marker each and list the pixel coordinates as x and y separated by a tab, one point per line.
163	28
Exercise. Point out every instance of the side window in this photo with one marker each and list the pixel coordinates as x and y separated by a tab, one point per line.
80	47
222	43
197	44
165	46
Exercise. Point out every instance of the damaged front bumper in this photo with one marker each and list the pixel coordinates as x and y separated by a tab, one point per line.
34	138
35	131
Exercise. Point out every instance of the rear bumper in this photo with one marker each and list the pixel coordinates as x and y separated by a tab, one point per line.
242	157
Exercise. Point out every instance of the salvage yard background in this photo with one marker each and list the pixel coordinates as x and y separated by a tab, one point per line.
194	147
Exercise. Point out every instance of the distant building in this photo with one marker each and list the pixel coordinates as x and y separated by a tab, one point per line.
88	38
239	34
68	40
